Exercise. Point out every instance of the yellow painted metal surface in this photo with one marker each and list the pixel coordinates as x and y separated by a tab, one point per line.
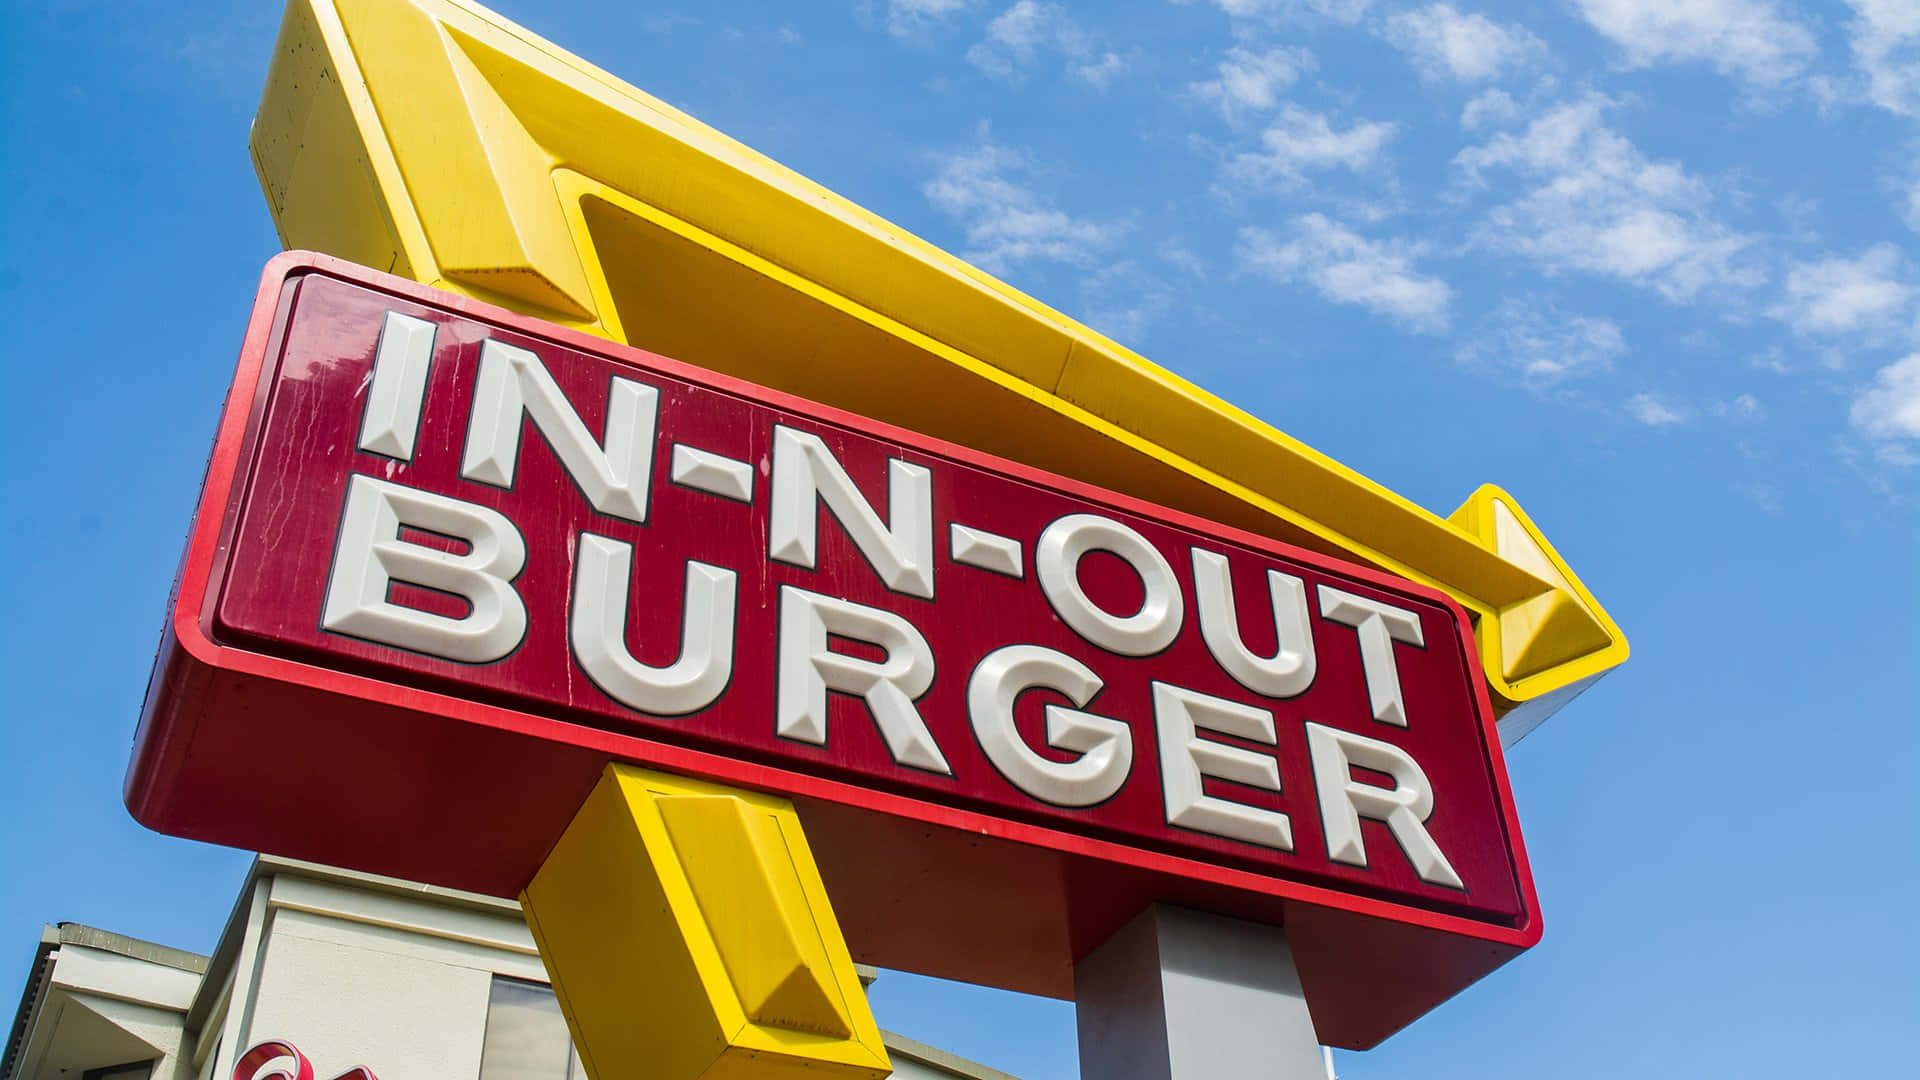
688	935
434	138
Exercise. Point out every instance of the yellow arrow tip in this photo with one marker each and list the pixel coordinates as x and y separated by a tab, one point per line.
1562	629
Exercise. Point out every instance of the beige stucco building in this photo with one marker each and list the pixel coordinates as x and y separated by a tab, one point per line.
409	981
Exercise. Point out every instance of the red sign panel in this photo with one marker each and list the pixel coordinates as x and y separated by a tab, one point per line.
449	560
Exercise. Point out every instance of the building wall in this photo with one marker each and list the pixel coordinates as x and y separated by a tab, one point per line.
97	1004
351	969
357	975
356	970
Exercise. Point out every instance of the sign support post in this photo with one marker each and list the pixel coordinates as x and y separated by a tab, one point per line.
1178	994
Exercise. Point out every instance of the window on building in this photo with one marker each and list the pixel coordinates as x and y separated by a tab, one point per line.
526	1037
133	1070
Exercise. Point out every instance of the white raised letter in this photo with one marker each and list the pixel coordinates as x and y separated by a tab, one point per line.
1344	801
808	669
391	420
369	557
1105	745
1056	559
598	632
1378	626
805	473
1185	758
514	382
1290	670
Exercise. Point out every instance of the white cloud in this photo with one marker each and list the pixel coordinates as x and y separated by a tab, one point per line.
1122	300
1653	412
1249	81
1838	295
907	18
1745	38
1597	205
1542	345
1017	36
1013	37
1005	221
1348	268
1446	43
1489	108
1101	72
1182	258
1341	11
1888	410
1885	35
1765	496
1299	141
1745	407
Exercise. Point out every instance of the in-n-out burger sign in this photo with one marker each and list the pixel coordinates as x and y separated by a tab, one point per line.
449	560
381	545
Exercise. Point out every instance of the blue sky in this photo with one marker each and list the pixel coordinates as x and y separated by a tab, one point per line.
1649	264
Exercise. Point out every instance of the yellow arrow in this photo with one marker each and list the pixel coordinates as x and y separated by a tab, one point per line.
689	937
435	139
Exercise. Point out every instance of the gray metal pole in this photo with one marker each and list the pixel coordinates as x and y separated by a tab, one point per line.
1184	995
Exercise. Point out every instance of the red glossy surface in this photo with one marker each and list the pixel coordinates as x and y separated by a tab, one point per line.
263	730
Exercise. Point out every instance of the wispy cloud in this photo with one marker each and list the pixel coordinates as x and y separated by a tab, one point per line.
1885	38
1007	222
1122	300
1100	71
1446	43
1532	340
1836	295
1348	268
1888	410
1595	204
1299	141
1744	408
1650	410
1489	108
1340	11
1747	39
1017	36
1765	496
1250	82
911	18
1181	258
